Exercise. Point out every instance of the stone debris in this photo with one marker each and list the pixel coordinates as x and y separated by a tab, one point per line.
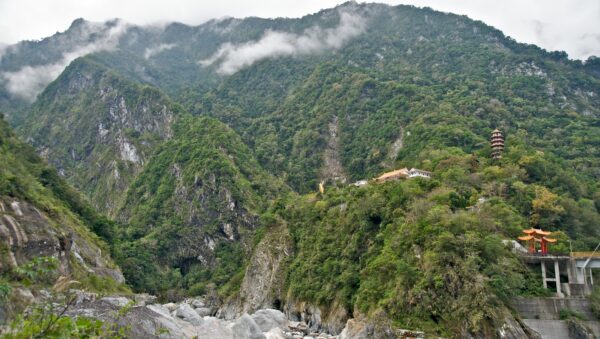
191	318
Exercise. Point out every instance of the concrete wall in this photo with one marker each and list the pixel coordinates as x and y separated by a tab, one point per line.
549	308
558	329
542	315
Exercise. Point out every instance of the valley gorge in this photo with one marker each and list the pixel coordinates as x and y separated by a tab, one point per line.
217	181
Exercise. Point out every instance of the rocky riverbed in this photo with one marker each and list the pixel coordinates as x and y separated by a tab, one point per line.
143	317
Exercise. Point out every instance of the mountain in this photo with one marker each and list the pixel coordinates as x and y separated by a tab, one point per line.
27	67
48	230
287	85
193	210
404	81
98	129
216	196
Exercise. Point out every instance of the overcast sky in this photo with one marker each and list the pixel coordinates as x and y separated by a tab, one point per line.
569	25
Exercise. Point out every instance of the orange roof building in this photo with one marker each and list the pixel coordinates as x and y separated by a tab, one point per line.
393	175
534	235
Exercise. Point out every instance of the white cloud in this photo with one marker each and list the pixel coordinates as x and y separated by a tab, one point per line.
29	81
569	25
231	58
3	48
152	51
565	25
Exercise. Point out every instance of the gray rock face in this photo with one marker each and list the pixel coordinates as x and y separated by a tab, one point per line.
275	333
116	301
364	329
203	311
215	328
156	320
187	313
170	306
577	330
263	284
198	303
245	327
27	233
144	299
269	319
331	319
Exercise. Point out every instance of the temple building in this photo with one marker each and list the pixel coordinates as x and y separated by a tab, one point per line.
414	172
497	141
393	175
403	173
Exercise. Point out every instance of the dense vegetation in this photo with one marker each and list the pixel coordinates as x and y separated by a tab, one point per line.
401	80
190	214
430	253
417	88
25	178
113	125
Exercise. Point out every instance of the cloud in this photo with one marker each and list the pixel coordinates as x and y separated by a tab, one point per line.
29	81
231	58
152	51
3	48
567	25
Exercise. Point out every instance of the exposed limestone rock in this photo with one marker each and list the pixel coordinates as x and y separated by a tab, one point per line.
99	149
394	149
268	319
332	163
128	151
245	327
505	326
275	333
262	286
577	330
116	301
330	319
144	299
151	321
203	311
379	328
187	313
28	233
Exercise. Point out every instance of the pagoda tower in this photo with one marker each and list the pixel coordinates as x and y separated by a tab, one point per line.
497	141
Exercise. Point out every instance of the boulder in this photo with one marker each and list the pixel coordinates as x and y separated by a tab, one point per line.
187	313
24	294
203	311
362	328
116	301
299	326
577	330
215	329
83	296
144	299
355	330
275	333
198	303
170	306
245	327
269	319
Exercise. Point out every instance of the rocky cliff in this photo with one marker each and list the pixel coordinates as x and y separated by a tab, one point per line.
98	130
193	210
42	219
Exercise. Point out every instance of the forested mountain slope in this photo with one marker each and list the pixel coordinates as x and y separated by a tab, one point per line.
98	129
192	212
419	76
366	72
221	197
47	230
